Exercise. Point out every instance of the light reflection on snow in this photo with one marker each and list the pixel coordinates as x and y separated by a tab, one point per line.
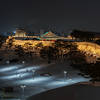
18	75
28	69
9	68
33	80
18	69
64	82
15	76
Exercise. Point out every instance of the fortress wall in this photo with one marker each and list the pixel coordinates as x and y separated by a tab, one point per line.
22	42
88	47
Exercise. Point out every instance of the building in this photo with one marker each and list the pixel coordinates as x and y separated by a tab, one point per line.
20	32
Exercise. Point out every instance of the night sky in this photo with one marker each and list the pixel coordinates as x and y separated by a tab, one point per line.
61	15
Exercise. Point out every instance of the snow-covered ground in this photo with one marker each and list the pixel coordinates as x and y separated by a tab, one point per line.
72	92
30	77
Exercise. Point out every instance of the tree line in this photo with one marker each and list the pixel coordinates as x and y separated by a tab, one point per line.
83	35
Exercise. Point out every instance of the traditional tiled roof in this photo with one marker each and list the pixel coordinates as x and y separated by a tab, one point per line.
49	34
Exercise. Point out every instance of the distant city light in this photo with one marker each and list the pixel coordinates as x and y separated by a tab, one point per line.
14	31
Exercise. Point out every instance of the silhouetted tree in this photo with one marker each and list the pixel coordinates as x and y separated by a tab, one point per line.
2	40
39	45
10	42
83	35
71	46
65	46
97	42
76	57
20	52
91	69
49	53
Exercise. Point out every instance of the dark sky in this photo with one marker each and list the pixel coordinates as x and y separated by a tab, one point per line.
62	15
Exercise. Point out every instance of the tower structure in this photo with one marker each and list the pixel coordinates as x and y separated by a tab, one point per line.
20	32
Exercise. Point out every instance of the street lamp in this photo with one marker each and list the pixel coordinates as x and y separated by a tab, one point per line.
65	74
23	89
23	62
7	61
33	73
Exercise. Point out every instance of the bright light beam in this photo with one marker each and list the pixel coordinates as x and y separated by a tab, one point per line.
22	75
28	69
9	68
32	81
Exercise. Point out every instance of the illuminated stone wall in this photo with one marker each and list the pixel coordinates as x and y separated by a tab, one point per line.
33	42
89	48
